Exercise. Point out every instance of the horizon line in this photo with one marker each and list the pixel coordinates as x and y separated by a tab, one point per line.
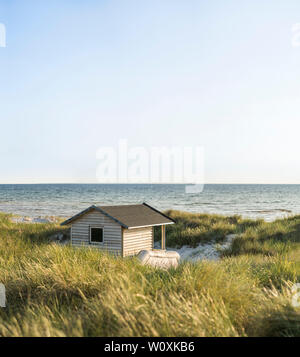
144	183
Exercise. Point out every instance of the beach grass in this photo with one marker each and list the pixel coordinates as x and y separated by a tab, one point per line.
55	290
269	238
194	228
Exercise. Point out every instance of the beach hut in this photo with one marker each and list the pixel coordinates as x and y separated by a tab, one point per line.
123	230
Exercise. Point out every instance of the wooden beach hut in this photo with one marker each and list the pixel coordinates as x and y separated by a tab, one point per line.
123	230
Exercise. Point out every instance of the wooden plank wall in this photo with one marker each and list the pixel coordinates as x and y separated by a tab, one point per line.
137	239
112	239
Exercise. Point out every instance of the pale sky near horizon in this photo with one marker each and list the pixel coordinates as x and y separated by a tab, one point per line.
78	75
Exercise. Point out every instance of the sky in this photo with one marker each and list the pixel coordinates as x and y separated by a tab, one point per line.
76	76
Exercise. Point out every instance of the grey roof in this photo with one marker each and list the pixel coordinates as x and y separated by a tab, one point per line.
129	216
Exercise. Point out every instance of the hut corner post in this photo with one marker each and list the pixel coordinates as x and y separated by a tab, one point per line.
163	237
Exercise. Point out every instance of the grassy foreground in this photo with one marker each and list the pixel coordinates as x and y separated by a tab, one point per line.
55	290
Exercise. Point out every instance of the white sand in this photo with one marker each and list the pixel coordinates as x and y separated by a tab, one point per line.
208	251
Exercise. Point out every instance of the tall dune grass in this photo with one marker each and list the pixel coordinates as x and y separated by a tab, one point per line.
194	228
270	238
55	290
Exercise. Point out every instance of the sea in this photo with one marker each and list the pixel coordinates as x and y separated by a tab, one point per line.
64	200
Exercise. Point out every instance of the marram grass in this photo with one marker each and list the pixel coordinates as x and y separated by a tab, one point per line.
57	290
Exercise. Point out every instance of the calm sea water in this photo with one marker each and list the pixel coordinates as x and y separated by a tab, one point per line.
264	201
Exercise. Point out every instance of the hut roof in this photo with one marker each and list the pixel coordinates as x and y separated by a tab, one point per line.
129	216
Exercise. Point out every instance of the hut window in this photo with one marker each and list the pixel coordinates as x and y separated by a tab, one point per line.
96	235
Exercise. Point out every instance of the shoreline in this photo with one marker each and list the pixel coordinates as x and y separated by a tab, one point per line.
40	219
50	218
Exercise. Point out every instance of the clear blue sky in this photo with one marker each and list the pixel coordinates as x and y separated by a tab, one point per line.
77	75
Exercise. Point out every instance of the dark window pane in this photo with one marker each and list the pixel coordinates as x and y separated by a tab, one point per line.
97	235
